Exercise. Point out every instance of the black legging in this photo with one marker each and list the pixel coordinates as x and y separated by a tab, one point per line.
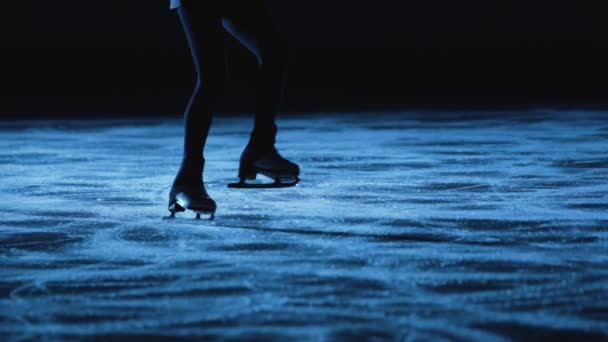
247	20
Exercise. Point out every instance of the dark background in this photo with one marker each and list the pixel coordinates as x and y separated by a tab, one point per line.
91	57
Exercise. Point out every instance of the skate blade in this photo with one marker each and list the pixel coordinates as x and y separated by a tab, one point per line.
179	207
210	216
279	182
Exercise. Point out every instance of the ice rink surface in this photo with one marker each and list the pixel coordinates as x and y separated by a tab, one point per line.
406	226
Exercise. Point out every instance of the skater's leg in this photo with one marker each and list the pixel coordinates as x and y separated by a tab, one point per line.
249	22
204	34
202	25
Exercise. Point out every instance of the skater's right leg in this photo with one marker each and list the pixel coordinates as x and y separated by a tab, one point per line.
203	29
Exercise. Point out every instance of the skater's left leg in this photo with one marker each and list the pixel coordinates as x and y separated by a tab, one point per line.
249	22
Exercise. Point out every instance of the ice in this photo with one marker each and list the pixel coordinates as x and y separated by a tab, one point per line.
430	226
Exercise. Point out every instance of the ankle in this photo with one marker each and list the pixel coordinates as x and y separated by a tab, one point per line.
190	171
263	138
193	162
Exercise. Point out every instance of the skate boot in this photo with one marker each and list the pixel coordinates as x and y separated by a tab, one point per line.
188	193
268	162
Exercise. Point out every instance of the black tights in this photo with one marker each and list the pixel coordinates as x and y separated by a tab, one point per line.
203	23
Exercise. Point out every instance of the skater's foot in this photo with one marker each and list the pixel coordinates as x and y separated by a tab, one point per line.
268	162
188	193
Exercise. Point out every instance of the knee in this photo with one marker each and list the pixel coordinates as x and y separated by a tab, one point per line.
210	83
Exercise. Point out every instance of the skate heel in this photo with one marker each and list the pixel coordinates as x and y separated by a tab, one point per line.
247	173
182	202
174	208
266	161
